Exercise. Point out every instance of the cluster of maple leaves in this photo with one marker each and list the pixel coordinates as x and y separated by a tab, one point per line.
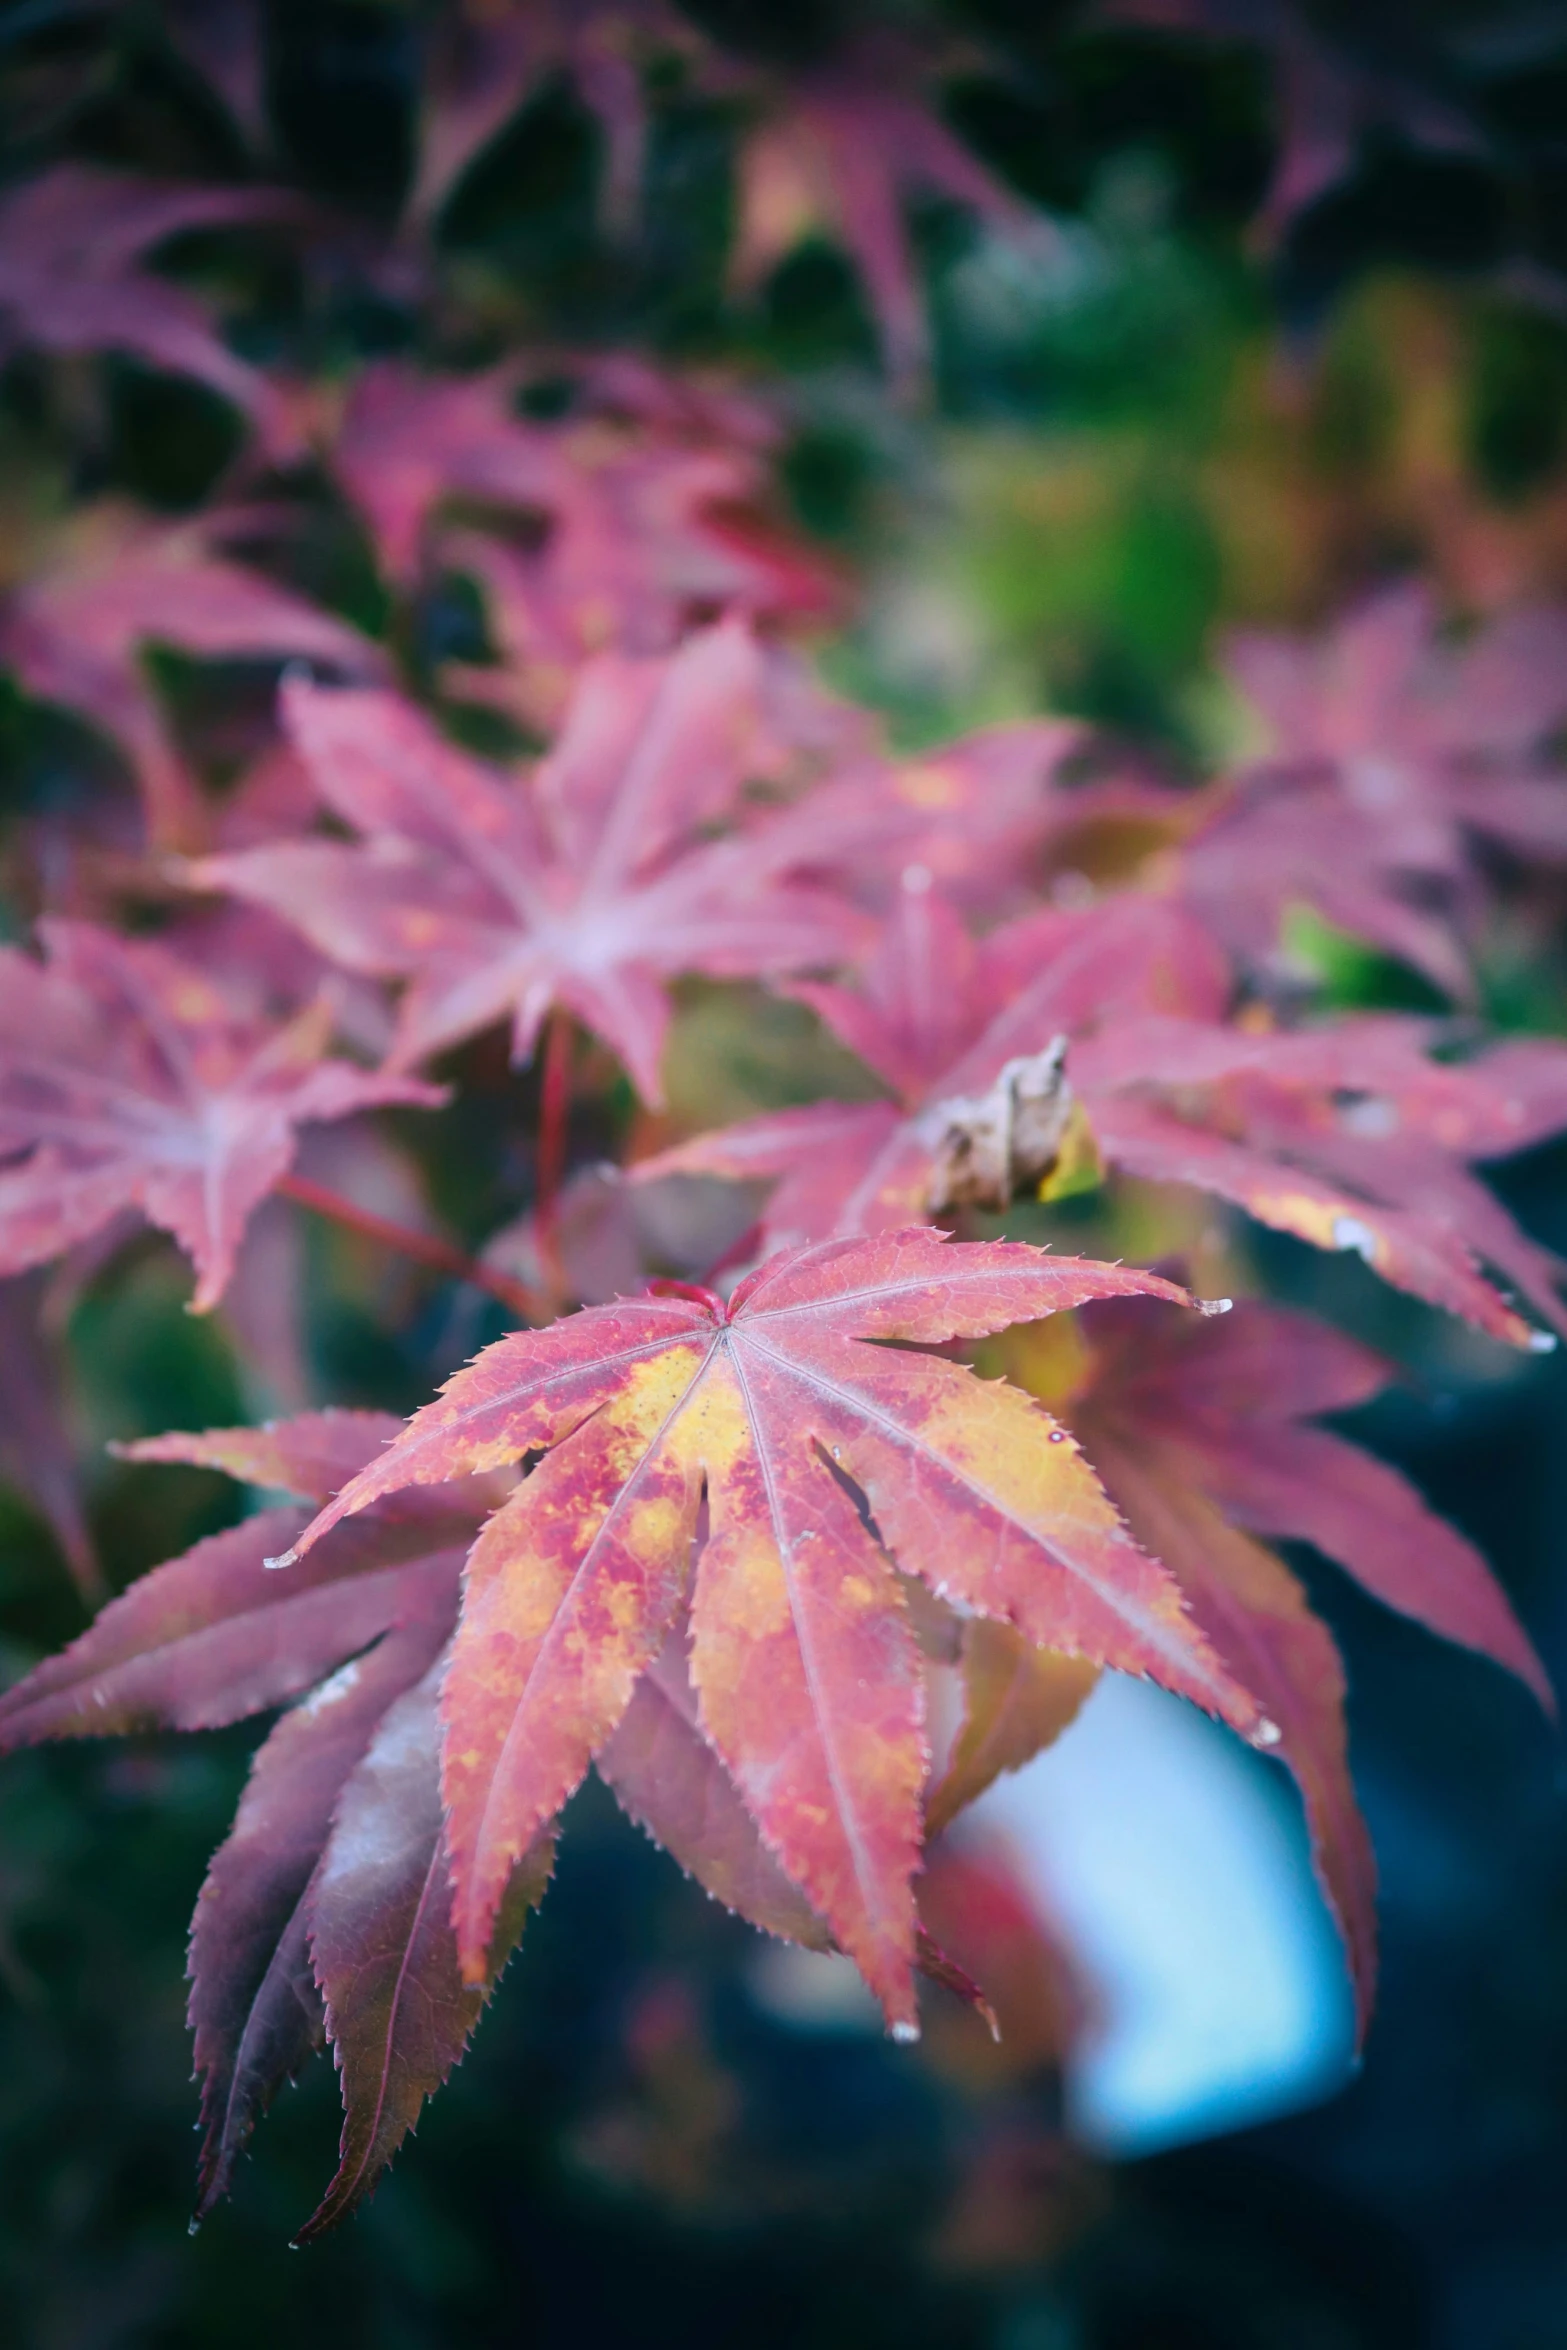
739	1542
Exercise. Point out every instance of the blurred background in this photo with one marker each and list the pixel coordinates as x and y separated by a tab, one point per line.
1289	319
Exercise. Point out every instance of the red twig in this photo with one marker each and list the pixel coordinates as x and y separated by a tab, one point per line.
550	1162
439	1255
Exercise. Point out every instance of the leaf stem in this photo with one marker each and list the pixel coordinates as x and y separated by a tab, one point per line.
550	1161
422	1247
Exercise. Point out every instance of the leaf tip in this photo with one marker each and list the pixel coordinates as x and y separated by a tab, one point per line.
1265	1732
1543	1342
904	2032
1215	1305
285	1558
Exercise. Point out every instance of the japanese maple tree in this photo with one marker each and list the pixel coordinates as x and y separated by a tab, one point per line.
809	1467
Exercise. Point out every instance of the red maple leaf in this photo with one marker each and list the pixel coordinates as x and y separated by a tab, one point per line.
1202	1435
487	58
1391	754
115	583
127	1081
806	1671
989	818
1346	1134
588	884
929	1003
1015	1699
1327	97
979	1904
634	557
702	407
226	42
974	814
72	245
328	1912
666	1777
839	149
408	441
608	531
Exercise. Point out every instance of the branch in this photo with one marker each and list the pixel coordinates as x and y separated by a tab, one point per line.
550	1161
523	1300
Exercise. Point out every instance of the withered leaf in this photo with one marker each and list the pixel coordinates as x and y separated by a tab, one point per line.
1346	1132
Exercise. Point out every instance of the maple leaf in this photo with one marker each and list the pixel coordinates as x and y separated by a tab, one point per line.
803	1661
1017	1698
782	1767
226	42
1346	1134
407	440
114	583
325	1911
976	1897
1392	753
838	149
937	1014
705	407
588	885
1328	97
1202	1435
973	814
486	60
665	1776
127	1081
639	553
632	533
72	243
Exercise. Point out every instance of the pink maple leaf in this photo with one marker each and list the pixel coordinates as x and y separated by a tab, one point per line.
1391	753
487	58
116	582
1327	98
1206	1445
72	246
127	1081
588	883
838	150
226	42
606	532
982	815
1346	1134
